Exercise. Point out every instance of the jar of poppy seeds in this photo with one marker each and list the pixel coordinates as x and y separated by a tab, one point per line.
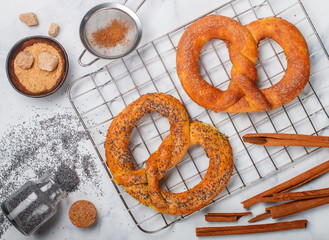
33	204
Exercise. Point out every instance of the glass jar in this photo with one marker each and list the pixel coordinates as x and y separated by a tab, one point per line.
33	204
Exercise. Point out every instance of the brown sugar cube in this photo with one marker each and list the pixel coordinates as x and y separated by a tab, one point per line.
47	62
24	60
82	213
53	30
30	19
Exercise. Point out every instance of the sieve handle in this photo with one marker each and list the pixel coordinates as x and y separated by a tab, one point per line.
86	64
138	7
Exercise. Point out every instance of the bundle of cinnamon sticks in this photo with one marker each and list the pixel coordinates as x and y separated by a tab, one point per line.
245	229
297	202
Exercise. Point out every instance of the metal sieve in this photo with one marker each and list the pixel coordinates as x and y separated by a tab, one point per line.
99	17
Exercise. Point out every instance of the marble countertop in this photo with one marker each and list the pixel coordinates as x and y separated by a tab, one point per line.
114	222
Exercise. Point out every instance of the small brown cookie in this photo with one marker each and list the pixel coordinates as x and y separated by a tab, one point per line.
82	213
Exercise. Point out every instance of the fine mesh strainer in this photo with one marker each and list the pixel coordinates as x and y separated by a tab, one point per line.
99	17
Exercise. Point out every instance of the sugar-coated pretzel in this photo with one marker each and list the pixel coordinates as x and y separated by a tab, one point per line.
242	94
143	184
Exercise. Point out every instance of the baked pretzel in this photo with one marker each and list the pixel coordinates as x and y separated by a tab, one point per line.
143	184
242	94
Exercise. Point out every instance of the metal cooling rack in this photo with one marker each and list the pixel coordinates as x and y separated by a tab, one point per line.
99	96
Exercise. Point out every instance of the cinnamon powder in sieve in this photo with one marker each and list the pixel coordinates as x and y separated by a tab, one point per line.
114	33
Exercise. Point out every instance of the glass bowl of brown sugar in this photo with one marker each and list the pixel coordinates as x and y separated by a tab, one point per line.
37	66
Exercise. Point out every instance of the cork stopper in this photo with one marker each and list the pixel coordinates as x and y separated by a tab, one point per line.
82	213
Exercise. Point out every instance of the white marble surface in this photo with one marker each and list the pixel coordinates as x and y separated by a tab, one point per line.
114	222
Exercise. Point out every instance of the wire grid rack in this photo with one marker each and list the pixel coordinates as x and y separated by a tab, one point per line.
99	96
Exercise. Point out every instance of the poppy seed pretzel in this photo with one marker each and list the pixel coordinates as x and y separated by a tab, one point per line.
143	184
242	94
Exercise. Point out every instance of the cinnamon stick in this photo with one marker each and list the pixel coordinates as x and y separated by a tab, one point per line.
289	208
221	218
281	139
247	229
225	217
260	217
290	184
293	196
